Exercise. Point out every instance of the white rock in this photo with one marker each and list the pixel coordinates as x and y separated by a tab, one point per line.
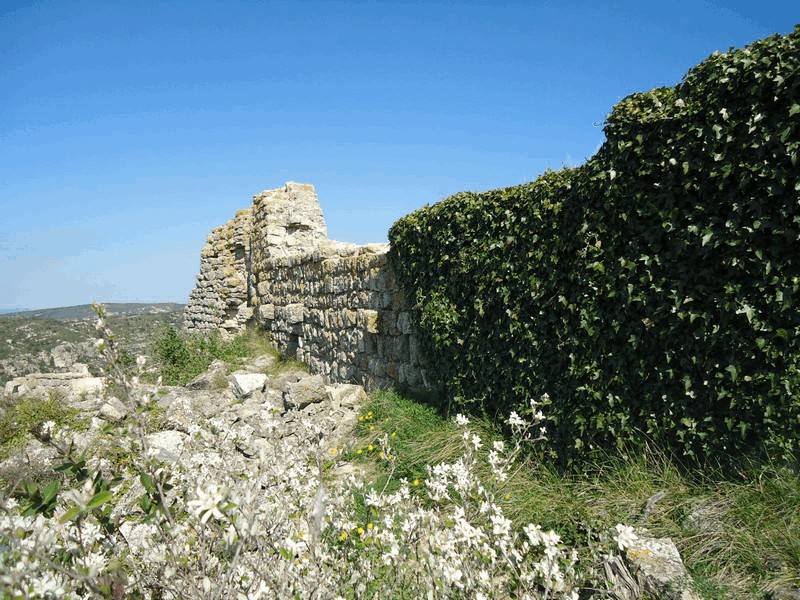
113	410
657	565
245	384
166	445
344	395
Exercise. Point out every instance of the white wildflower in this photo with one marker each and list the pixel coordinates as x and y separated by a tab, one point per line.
625	536
515	420
208	502
461	420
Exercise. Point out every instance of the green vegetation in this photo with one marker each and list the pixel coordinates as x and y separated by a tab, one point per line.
653	291
180	358
22	414
738	539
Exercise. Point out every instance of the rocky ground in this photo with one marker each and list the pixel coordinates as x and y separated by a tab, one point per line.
231	418
254	406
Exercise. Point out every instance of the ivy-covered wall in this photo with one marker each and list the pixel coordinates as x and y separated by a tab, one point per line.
654	292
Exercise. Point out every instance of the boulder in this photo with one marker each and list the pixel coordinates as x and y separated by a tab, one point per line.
166	445
657	565
308	390
244	384
345	395
113	410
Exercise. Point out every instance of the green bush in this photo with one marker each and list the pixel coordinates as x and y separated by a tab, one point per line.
180	358
653	292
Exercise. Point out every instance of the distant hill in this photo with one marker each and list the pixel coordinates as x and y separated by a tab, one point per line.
84	311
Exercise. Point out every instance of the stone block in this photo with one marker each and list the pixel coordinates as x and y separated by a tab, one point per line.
113	410
657	564
369	320
308	390
266	312
295	313
404	322
244	384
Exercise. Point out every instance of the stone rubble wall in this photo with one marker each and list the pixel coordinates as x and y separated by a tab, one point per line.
332	305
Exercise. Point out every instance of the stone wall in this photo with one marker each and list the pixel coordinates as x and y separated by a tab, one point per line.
220	300
335	306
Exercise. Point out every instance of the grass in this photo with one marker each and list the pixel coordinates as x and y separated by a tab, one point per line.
738	538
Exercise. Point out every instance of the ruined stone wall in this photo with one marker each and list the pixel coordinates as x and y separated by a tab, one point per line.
335	306
220	300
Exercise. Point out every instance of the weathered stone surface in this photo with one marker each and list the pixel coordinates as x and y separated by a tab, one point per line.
346	396
113	410
260	364
658	567
333	305
309	390
72	384
244	384
211	378
219	300
187	407
167	445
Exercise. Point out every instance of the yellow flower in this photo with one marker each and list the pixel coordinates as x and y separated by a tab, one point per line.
386	420
359	451
370	447
361	418
380	454
334	451
360	531
369	414
507	496
343	537
394	434
416	482
371	427
370	526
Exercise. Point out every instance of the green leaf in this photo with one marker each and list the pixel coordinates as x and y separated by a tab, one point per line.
70	515
50	492
794	109
99	499
147	482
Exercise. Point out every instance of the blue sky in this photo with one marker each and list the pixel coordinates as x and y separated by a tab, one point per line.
129	129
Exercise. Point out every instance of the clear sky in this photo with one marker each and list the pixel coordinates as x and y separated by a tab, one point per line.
128	130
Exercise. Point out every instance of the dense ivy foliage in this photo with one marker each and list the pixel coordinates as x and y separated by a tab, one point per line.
653	292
